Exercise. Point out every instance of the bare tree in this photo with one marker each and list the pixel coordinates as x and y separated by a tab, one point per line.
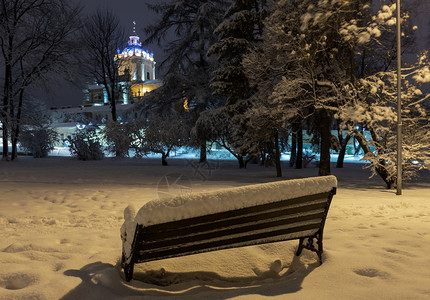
102	35
159	134
34	40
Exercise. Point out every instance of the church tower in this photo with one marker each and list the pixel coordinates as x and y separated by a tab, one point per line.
137	67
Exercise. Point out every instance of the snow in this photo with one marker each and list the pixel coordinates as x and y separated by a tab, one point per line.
423	75
180	207
60	223
363	37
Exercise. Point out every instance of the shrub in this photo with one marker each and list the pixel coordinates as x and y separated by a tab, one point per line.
118	137
86	145
38	141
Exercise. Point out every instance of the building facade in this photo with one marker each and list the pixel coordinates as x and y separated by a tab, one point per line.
136	70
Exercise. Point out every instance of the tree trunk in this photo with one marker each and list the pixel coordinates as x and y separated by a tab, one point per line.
263	158
277	156
238	156
203	157
380	168
163	159
5	135
299	156
342	150
114	118
241	161
7	99
113	106
247	160
13	122
17	126
293	148
324	167
5	143
14	140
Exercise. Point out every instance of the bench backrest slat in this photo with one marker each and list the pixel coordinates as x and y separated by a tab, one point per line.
225	232
223	223
283	220
233	213
243	240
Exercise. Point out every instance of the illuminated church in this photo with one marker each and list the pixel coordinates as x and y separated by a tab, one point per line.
136	70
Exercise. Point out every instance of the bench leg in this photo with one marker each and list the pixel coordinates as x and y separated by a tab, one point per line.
128	271
320	247
309	245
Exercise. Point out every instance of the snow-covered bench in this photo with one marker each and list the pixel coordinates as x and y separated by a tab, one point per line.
233	217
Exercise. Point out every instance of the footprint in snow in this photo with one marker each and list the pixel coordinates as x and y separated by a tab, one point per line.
17	281
370	272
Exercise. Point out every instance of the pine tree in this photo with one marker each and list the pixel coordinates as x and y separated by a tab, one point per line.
192	23
240	30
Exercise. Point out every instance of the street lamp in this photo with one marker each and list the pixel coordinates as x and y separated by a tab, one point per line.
399	103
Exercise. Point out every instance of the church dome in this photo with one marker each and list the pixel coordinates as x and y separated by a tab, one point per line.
134	49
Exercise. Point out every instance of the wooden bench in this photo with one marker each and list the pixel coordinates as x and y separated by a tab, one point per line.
300	218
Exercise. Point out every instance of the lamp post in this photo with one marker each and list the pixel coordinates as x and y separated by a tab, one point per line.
399	103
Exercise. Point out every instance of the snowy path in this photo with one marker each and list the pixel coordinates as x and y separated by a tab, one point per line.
59	237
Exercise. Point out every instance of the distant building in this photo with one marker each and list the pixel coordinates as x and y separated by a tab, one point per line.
137	73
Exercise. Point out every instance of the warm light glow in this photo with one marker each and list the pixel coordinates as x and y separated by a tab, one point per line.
186	107
138	90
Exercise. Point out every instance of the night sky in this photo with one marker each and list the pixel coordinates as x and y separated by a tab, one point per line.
127	11
136	10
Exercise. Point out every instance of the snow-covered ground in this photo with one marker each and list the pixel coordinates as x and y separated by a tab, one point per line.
60	225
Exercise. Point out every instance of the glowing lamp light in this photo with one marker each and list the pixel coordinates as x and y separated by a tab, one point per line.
186	107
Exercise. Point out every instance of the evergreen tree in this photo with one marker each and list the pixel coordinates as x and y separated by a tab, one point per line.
192	22
37	135
240	30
